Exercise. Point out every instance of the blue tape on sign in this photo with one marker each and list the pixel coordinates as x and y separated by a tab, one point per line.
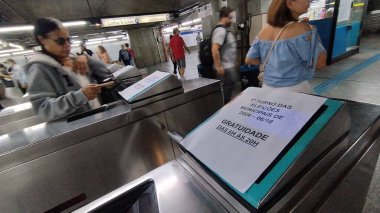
327	85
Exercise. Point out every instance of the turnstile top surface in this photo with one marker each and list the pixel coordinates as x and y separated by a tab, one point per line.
176	190
48	137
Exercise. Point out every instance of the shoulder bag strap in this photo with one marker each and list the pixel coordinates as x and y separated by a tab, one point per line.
262	67
225	38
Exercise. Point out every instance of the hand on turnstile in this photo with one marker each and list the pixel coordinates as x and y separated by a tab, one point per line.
91	91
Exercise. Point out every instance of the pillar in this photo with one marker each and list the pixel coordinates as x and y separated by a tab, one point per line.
144	43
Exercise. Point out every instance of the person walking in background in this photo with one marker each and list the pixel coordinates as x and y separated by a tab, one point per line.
170	52
85	51
103	55
177	46
18	75
124	56
287	51
199	38
224	53
131	54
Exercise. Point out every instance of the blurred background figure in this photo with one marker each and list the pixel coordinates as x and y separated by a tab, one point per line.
132	55
85	51
178	46
199	38
224	53
124	56
103	55
18	74
170	52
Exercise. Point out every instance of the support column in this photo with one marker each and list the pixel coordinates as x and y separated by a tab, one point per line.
144	43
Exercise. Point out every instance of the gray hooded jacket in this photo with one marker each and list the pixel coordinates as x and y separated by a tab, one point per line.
53	92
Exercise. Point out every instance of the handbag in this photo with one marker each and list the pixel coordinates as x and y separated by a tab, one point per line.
262	66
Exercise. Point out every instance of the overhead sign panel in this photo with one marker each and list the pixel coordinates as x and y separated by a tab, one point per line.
130	20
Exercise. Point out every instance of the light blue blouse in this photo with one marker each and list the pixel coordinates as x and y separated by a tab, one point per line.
292	60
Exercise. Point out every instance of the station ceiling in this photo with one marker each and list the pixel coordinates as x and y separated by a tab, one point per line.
21	12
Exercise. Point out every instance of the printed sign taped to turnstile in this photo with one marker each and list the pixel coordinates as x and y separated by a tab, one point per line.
139	87
246	136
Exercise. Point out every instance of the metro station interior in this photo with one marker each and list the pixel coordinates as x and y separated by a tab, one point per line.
190	106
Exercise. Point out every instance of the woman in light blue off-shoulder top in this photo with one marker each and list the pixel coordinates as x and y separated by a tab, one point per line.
297	53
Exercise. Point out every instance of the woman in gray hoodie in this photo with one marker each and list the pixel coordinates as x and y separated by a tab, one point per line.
55	89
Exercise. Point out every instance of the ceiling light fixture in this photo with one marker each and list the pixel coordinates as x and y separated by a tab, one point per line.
31	27
118	36
23	52
14	29
5	55
96	39
110	40
76	42
74	23
186	23
16	46
9	51
93	42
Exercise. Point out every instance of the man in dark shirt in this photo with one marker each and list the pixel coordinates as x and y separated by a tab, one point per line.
85	51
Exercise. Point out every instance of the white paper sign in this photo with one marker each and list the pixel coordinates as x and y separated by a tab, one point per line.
245	137
122	71
144	84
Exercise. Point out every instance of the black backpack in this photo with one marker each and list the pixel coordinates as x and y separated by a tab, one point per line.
205	49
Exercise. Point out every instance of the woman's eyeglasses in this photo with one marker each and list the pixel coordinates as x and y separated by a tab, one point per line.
62	41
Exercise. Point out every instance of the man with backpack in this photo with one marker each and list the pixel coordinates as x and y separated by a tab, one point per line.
124	56
224	53
131	54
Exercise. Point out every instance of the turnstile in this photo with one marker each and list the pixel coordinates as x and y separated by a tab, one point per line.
331	176
55	166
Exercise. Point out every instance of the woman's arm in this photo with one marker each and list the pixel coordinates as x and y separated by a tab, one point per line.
44	98
252	61
321	63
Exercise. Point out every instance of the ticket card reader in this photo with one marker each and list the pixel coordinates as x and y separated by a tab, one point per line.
155	87
259	144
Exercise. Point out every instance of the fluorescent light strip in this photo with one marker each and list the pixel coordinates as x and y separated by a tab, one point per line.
14	29
118	36
5	55
30	27
74	23
93	42
96	39
197	20
186	23
23	52
125	38
74	36
75	45
184	28
9	51
76	42
110	40
16	46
